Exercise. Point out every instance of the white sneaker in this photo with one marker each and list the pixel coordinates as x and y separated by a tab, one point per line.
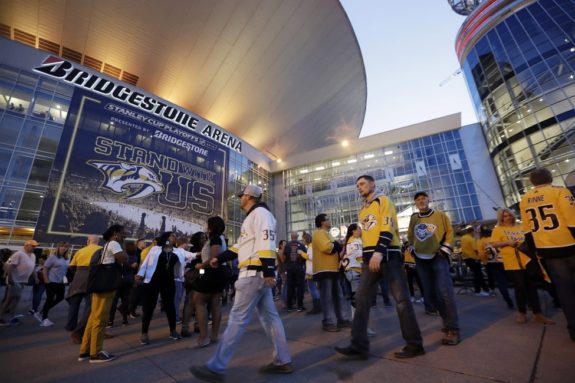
46	323
482	294
370	333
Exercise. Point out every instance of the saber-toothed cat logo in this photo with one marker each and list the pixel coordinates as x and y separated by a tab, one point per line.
121	176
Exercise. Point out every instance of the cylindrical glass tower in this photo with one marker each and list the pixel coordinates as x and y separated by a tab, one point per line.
518	58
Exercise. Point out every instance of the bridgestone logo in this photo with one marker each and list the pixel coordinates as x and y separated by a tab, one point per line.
64	70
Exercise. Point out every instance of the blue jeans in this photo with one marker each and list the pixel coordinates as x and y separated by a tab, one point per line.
251	294
562	273
313	290
332	300
392	270
438	288
178	298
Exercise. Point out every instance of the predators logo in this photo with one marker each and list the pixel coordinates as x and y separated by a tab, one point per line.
369	222
123	178
424	231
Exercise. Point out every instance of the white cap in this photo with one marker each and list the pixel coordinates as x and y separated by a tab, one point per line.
251	190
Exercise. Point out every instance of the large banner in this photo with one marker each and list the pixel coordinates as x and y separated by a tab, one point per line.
119	164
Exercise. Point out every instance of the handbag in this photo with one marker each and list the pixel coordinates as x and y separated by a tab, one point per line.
103	277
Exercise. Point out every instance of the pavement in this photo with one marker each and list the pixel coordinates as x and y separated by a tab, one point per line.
493	349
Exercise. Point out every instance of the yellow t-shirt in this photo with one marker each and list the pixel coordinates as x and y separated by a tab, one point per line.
469	247
511	258
548	212
144	253
83	256
481	242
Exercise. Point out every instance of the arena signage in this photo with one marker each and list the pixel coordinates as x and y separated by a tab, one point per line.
61	69
118	164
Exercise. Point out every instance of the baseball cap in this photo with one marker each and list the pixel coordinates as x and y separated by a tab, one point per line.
251	190
31	242
420	193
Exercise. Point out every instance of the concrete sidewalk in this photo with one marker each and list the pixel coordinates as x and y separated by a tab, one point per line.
494	349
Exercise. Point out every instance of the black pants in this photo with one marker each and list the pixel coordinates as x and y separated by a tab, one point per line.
295	286
478	281
54	295
525	284
123	293
150	292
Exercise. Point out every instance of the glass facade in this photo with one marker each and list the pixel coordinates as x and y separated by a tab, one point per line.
521	76
32	114
436	164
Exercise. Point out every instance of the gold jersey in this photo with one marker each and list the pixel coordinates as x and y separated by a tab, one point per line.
548	213
378	220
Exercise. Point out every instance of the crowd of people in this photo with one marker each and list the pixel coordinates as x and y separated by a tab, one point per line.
342	277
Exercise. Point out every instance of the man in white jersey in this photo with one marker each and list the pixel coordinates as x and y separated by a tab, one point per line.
256	255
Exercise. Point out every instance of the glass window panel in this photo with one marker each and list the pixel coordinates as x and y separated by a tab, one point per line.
50	138
9	202
40	172
30	134
30	206
10	128
19	168
21	98
4	161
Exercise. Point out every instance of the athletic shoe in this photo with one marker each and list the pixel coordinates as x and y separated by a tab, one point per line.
102	357
330	328
290	309
205	374
371	333
204	342
175	336
144	339
482	294
300	309
134	315
277	368
46	323
109	325
83	357
38	317
31	312
451	338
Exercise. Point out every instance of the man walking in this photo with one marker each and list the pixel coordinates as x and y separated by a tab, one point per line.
256	255
381	257
295	267
548	215
326	272
18	269
431	235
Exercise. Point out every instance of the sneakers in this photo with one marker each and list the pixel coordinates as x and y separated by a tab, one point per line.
102	357
330	328
134	315
31	312
46	323
125	322
277	368
300	309
540	318
344	324
409	352
205	374
203	342
290	309
83	357
38	316
482	294
352	352
371	333
109	325
451	338
175	336
521	318
144	339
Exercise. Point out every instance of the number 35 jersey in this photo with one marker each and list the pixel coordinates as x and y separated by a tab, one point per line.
548	212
